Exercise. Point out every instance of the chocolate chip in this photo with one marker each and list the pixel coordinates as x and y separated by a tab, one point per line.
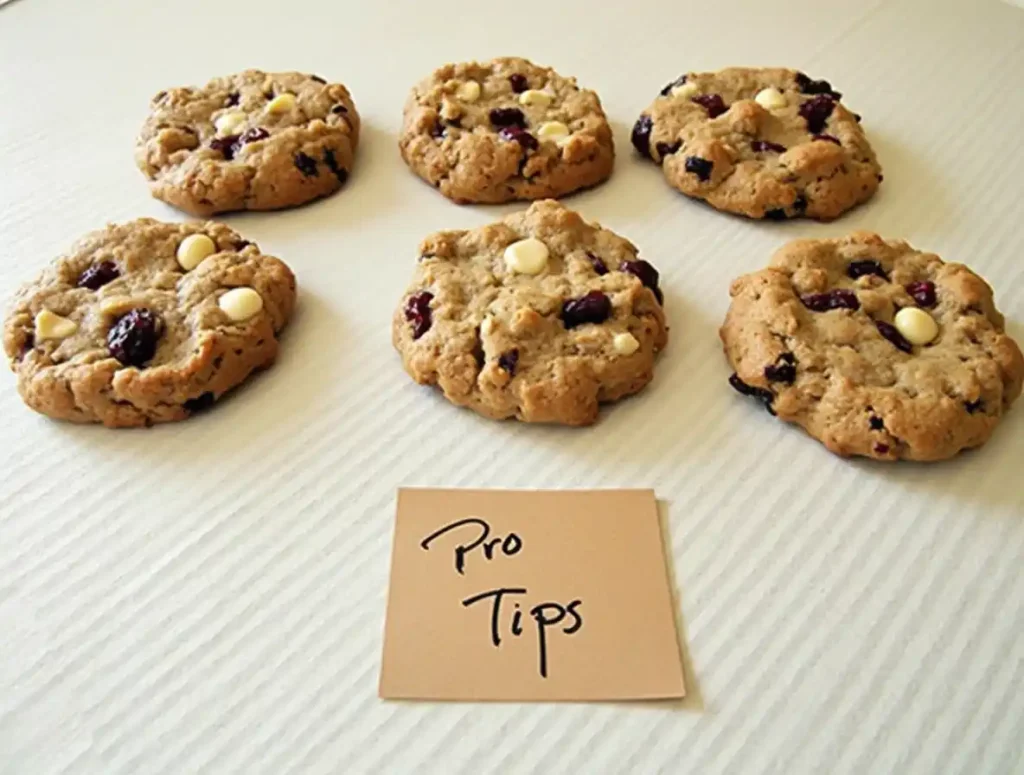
835	299
594	307
332	164
306	165
868	266
783	370
418	312
508	361
891	333
133	337
641	136
669	87
98	275
699	167
200	403
761	394
712	103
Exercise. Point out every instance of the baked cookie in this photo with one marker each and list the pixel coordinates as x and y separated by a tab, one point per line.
504	130
541	317
146	322
251	141
765	143
874	348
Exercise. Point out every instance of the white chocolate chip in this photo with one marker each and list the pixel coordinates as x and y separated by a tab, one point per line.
49	325
469	91
685	91
770	99
240	303
536	97
553	130
528	256
193	249
229	123
916	325
282	103
487	326
625	343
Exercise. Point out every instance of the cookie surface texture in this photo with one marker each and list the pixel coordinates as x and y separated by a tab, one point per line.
250	141
873	347
765	143
541	317
118	331
505	130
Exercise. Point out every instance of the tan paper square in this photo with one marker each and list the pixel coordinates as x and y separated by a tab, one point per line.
587	614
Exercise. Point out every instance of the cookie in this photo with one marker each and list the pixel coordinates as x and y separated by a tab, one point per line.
146	322
505	130
765	143
540	317
873	347
251	141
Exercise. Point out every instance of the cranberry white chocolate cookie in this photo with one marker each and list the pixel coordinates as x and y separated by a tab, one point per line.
873	347
505	130
251	141
765	143
540	317
146	322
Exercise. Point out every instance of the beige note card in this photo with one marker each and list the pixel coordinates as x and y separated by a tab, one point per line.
529	595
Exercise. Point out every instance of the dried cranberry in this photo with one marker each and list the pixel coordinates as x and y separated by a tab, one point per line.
599	266
712	103
775	214
828	139
232	99
134	336
800	204
200	403
867	266
891	333
508	117
877	424
594	307
98	275
761	394
339	109
923	293
508	361
332	164
242	244
641	136
519	135
645	273
808	86
839	298
27	345
816	112
418	312
667	149
306	165
226	145
669	87
437	131
699	167
760	146
783	370
252	135
518	82
881	449
318	79
974	406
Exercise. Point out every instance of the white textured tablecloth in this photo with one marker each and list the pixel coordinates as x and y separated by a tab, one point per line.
208	597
